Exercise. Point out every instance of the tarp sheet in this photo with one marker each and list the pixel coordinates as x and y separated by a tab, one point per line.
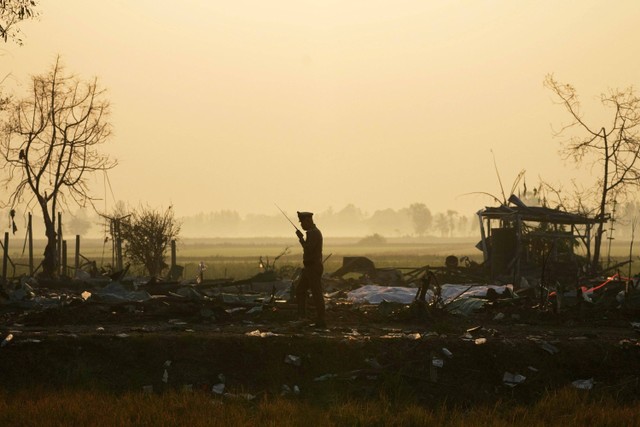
375	294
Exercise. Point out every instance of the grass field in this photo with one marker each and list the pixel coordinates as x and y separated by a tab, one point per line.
238	258
93	408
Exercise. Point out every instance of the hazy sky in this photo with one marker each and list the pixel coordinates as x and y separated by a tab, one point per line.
311	104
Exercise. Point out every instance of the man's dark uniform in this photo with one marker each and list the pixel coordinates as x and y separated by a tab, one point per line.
311	276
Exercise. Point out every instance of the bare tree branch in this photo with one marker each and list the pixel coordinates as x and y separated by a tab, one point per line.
614	148
50	146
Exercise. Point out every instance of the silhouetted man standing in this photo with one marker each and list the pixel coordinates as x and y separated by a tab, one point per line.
311	276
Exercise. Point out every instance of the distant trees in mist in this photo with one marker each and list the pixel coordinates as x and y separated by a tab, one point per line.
414	220
349	221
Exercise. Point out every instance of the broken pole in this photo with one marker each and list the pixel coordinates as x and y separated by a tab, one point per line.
5	257
118	245
173	255
30	237
483	237
516	275
77	260
59	242
64	258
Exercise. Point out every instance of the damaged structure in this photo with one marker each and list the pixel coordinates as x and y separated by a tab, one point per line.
535	244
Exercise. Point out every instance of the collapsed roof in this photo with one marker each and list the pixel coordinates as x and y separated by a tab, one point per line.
526	237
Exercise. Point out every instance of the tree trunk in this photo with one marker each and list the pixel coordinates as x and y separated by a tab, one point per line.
595	263
597	242
50	262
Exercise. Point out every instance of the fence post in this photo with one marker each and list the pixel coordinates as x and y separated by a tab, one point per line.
59	242
5	257
30	234
173	254
118	243
64	258
77	261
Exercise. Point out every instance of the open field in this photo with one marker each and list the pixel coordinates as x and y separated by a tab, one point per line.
238	258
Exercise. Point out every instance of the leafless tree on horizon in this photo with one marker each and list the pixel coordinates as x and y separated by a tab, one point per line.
614	148
50	145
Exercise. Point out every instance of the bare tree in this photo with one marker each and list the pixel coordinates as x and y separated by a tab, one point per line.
451	216
615	148
147	234
50	146
441	224
421	218
12	12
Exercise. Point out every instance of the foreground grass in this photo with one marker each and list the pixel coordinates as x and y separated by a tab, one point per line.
568	407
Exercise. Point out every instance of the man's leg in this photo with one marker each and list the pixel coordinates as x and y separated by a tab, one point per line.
318	298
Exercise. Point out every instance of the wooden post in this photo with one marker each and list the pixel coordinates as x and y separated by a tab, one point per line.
483	237
118	242
5	257
112	231
59	241
30	237
77	260
173	254
516	275
64	258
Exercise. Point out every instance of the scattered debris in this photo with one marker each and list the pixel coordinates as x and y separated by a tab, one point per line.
512	380
289	390
325	377
583	384
293	360
551	349
257	333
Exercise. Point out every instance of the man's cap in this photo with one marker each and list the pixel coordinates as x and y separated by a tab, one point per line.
302	215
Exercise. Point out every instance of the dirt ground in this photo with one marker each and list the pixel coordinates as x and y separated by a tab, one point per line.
499	352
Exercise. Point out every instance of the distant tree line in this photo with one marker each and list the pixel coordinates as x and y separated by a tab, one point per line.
415	220
350	221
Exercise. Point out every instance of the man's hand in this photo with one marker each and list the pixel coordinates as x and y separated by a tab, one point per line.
299	234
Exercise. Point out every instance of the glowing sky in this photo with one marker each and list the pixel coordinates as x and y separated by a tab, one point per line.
311	104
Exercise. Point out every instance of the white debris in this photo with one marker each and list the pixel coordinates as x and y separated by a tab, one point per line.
512	380
325	377
256	309
293	360
6	340
583	384
258	333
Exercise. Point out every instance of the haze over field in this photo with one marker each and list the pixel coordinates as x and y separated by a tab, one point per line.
237	105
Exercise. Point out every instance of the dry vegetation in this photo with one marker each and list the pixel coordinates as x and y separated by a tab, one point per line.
94	408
